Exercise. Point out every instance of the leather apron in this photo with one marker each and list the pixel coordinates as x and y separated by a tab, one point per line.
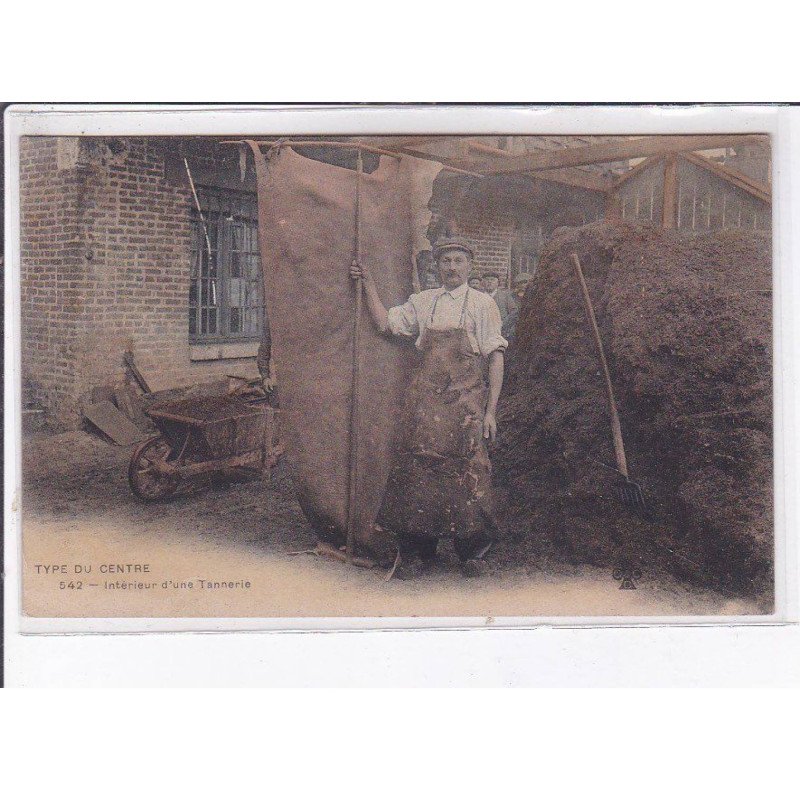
440	483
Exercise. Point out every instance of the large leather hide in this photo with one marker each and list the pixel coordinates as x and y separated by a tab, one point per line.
307	229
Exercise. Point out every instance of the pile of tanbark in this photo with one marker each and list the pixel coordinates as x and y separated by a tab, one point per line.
686	322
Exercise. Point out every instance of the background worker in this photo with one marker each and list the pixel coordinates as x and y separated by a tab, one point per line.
440	485
475	281
506	302
520	286
265	364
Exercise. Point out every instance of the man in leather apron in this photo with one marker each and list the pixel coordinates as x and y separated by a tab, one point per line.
440	484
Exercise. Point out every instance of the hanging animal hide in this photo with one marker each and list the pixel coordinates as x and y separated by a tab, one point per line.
306	236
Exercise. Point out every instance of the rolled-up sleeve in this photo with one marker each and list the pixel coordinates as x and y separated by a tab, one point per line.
403	320
488	329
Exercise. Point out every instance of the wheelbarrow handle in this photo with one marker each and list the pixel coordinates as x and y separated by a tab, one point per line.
616	429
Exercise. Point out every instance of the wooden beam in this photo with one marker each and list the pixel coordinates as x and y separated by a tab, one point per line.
669	213
481	147
604	152
613	209
580	178
573	176
299	144
393	141
356	145
449	164
634	171
744	182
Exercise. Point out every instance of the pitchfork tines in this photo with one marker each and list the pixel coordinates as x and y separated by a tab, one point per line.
630	494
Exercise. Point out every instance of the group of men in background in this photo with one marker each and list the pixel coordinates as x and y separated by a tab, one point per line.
508	300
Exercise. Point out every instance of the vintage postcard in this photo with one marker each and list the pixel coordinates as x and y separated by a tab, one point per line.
287	375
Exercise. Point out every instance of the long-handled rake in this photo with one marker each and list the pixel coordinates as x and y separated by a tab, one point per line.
628	491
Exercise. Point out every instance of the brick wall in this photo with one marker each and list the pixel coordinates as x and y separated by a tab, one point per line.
50	272
492	212
459	208
106	242
490	234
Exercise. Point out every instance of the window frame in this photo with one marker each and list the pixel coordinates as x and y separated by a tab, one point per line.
223	210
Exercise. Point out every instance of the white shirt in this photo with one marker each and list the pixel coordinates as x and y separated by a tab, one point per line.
481	319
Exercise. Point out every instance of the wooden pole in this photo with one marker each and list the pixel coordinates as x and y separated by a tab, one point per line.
352	499
199	209
616	428
398	154
294	144
669	214
613	209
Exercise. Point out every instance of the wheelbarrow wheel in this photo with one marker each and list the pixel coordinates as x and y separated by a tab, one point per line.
147	482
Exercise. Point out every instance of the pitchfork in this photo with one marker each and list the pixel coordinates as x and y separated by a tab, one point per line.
629	492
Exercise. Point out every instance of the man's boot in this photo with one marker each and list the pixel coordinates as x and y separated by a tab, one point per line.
470	553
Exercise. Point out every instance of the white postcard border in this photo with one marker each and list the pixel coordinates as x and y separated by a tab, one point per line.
780	122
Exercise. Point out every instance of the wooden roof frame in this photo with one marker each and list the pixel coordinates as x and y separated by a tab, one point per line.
575	178
608	152
760	190
563	165
739	179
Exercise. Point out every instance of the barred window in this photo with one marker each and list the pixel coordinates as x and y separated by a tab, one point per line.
526	242
226	295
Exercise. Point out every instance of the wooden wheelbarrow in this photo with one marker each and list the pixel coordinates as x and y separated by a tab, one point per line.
203	436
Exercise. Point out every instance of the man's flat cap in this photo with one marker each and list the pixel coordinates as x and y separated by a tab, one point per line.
523	277
452	243
491	274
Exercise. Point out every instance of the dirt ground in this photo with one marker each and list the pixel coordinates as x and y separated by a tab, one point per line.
78	510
